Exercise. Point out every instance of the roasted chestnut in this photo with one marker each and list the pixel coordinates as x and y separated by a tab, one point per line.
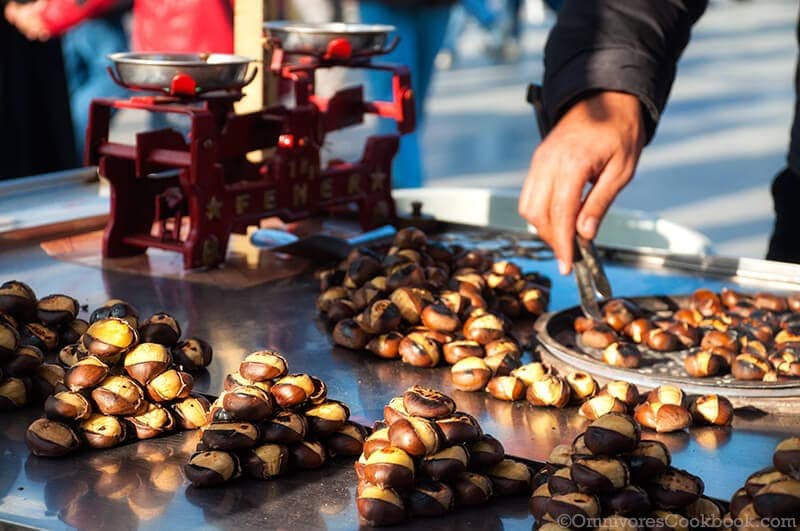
440	317
430	498
502	364
109	338
39	336
390	467
750	367
539	501
14	394
347	333
379	506
458	350
712	409
534	299
472	489
757	480
582	386
778	499
230	436
293	390
647	460
347	440
599	336
18	300
485	452
620	312
484	328
445	464
667	394
410	303
600	475
266	461
206	469
427	403
704	508
170	385
551	391
234	380
419	350
380	317
377	439
661	340
704	363
119	395
192	412
600	405
285	428
9	340
459	428
573	506
327	418
786	457
70	355
48	438
192	354
508	388
307	455
416	436
102	431
248	402
85	374
622	354
638	329
560	482
152	422
531	372
662	417
674	489
630	500
386	346
394	410
263	365
470	374
146	361
612	434
67	406
510	477
24	362
739	500
56	310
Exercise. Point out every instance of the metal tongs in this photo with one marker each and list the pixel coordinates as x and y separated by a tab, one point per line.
593	285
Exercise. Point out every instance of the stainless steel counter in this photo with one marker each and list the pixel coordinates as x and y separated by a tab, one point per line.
140	485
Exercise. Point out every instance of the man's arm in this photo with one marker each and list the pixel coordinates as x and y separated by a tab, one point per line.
609	67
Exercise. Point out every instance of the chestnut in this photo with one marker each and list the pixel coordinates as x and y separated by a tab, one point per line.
152	422
419	350
667	521
70	355
786	457
704	363
394	410
600	405
293	391
85	374
102	431
427	403
687	335
440	317
344	308
266	461
573	506
116	308
622	354
502	364
757	480
619	313
119	395
14	394
531	372
534	299
552	391
410	303
18	300
285	428
248	402
647	460
599	336
160	328
146	361
630	500
662	418
56	310
770	302
600	475
386	346
39	336
539	501
704	508
485	452
349	334
67	406
561	455
109	338
192	354
470	374
661	340
170	385
778	499
24	362
623	391
472	489
739	500
612	434
405	276
430	498
445	464
706	302
459	428
230	436
510	477
263	365
192	412
379	506
667	394
582	386
307	455
560	482
390	467
416	436
508	388
347	440
327	418
380	317
460	349
9	340
715	338
674	489
715	410
376	440
750	367
206	469
505	346
329	296
234	380
638	329
484	328
49	438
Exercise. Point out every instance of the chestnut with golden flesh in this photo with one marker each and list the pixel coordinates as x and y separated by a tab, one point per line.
600	475
14	393
146	361
109	338
248	402
67	406
786	457
440	317
757	480
446	464
380	317
170	385
778	499
539	501
86	374
551	391
386	346
460	349
410	303
600	405
152	422
49	438
561	455
667	394
472	489
380	506
484	328
470	374
531	372
750	367
662	418
534	299
192	354
638	329
293	391
70	355
102	431
459	428
266	461
704	363
416	436
582	386
327	418
715	410
419	350
622	354
263	365
612	434
739	500
573	506
509	388
394	410
510	477
192	412
704	508
230	436
376	440
561	482
390	467
206	469
502	364
285	428
9	340
625	392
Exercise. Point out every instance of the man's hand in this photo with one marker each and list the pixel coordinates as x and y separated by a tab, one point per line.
27	18
598	141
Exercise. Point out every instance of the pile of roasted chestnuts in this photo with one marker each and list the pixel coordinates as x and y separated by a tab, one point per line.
268	422
426	302
750	337
426	458
610	478
770	497
124	380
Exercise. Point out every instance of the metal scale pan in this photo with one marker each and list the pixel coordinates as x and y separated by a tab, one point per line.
561	346
316	39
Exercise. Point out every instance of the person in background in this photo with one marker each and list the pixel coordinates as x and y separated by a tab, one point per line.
421	25
35	124
85	45
480	11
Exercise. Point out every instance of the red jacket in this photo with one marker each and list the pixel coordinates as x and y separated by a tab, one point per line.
158	25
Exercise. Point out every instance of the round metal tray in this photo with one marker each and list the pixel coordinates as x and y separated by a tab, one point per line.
314	39
156	71
557	336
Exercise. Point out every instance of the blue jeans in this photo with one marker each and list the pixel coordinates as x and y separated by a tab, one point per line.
421	32
85	48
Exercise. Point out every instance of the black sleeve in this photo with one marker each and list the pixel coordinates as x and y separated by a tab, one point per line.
629	46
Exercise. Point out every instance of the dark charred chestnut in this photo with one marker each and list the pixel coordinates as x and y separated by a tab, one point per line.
460	428
24	362
630	500
405	276
647	460
307	455
739	500
778	499
380	317
600	475
485	452
430	498
146	361
472	489
612	434
347	440
206	469
687	335
539	501
160	328
757	480
192	354
285	428
427	403
117	309
510	477
230	436
410	303
9	340
48	438
786	457
18	300
39	336
561	482
67	406
56	310
446	464
573	506
14	393
674	489
347	333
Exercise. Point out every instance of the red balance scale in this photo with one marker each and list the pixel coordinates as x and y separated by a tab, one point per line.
187	194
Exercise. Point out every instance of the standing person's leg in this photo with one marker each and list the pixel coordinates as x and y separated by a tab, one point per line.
431	27
407	166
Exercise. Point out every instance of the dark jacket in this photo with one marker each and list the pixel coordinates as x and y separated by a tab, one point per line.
629	46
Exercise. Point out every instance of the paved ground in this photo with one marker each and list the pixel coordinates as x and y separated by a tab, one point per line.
722	138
